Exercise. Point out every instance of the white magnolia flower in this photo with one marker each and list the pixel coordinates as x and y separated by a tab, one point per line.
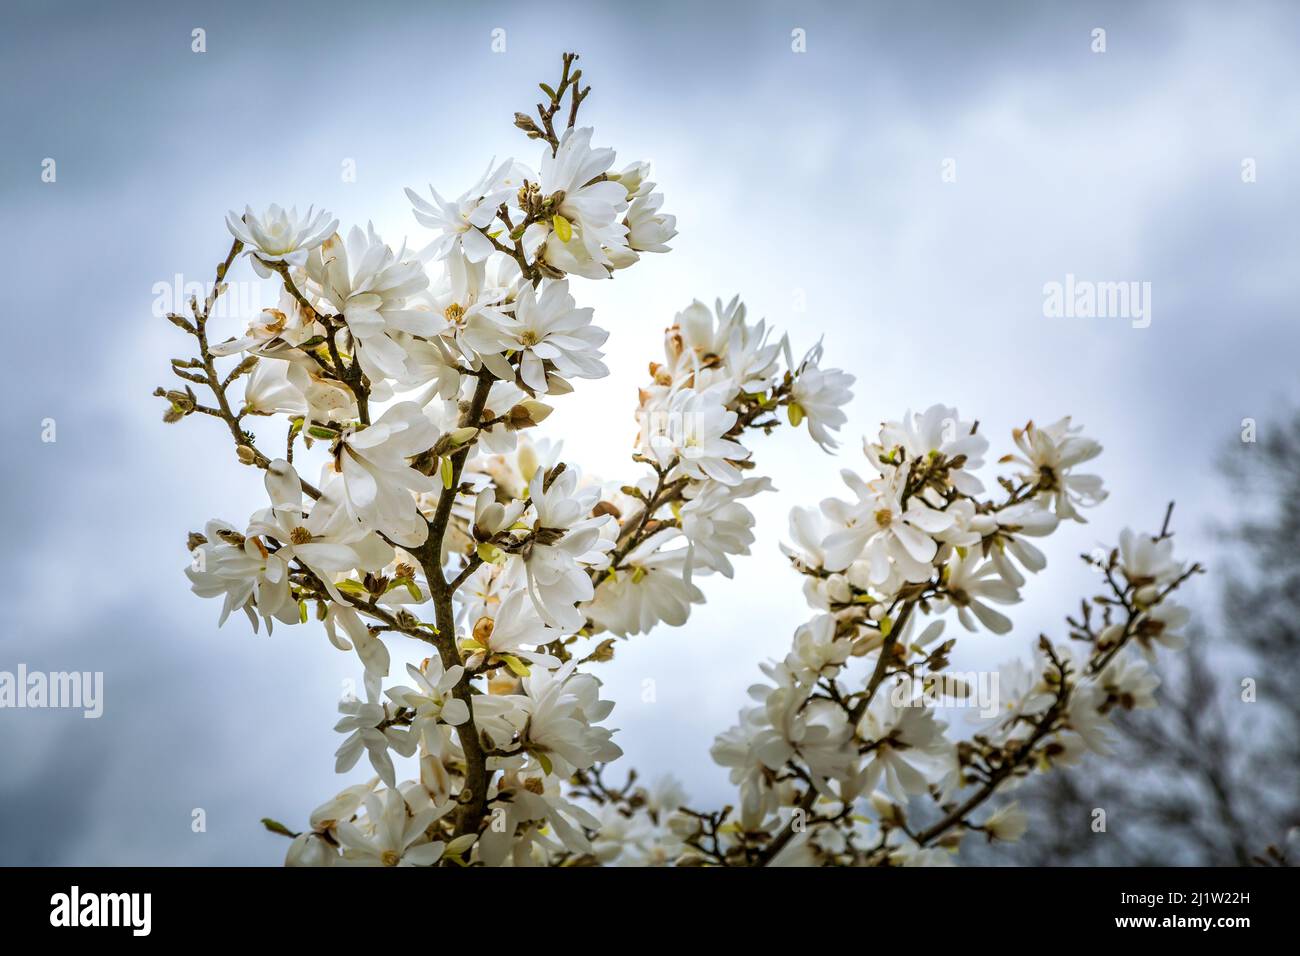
1087	724
692	430
514	630
280	235
243	571
716	524
1008	530
1007	823
711	348
619	835
546	332
1159	626
376	480
968	528
370	286
648	229
390	835
635	840
286	381
276	387
819	396
817	651
564	544
1049	454
355	635
810	529
491	516
407	584
288	324
740	749
533	797
971	581
483	593
459	297
1145	559
909	751
664	795
904	851
431	698
563	708
499	717
512	470
651	586
462	222
939	430
1022	693
367	725
587	224
311	848
882	528
815	731
324	547
1129	682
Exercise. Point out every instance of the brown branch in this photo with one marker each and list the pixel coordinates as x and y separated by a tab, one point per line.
214	382
474	792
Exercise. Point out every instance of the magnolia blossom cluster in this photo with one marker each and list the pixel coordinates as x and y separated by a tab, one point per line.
407	504
843	758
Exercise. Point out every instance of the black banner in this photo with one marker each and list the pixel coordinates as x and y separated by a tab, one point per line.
925	905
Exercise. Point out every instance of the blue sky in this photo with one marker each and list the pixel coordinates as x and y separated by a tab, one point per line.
810	183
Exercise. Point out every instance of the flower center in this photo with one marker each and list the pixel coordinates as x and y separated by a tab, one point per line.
528	338
300	535
534	785
884	518
275	321
390	858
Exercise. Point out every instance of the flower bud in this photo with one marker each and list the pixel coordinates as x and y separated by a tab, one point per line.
1110	636
632	177
1146	595
526	414
603	508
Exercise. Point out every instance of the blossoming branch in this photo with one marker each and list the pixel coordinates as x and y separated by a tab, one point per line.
406	500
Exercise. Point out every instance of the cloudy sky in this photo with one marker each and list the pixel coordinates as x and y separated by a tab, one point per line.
811	183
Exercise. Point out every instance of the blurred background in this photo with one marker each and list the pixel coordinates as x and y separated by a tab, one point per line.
904	188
